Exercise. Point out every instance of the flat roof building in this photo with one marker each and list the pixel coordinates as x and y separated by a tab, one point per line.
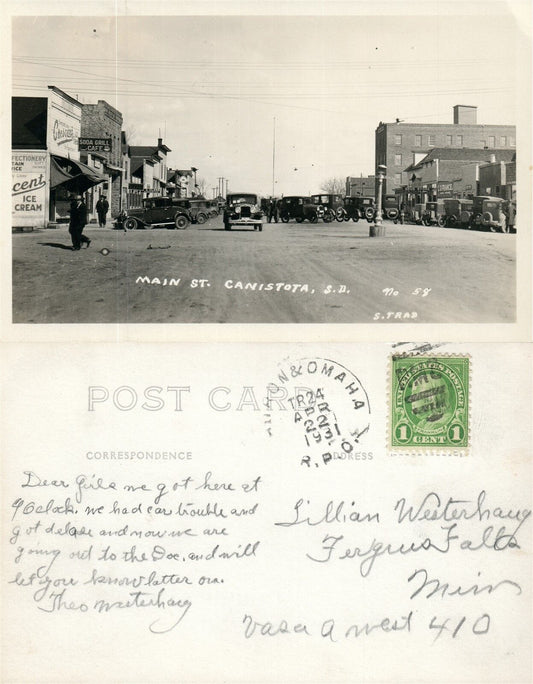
400	144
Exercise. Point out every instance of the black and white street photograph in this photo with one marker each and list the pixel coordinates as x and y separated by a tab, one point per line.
357	169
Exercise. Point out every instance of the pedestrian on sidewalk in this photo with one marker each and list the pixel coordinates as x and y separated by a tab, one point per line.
78	220
102	207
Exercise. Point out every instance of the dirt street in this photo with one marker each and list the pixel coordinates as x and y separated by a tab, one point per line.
289	273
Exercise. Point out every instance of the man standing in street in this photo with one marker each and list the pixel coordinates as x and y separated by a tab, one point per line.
78	219
102	207
273	210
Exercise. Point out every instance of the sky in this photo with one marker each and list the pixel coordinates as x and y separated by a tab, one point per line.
274	104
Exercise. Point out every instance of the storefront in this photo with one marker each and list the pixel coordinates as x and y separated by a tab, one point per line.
46	166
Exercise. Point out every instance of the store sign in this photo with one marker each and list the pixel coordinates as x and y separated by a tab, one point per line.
28	188
94	144
445	187
63	127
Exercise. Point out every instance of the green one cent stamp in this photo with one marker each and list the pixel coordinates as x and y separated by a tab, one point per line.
430	402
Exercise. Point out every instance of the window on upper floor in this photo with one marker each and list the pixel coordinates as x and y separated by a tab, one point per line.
418	141
397	160
512	142
459	141
398	178
431	141
397	139
449	140
492	141
503	141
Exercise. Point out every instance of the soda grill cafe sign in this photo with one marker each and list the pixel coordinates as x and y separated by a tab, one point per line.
94	145
28	187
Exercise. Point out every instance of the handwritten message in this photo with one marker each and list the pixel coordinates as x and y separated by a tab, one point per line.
91	544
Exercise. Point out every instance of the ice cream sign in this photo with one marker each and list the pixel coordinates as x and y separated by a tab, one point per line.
28	172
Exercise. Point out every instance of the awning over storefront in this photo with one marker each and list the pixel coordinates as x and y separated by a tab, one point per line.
73	175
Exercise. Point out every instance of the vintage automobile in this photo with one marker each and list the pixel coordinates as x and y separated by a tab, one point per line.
243	209
457	213
297	207
433	214
389	207
490	212
213	208
328	207
199	209
356	208
155	211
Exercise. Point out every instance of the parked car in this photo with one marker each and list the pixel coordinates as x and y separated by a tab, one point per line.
389	207
457	213
328	207
213	208
243	209
198	208
489	212
416	212
155	211
297	207
433	214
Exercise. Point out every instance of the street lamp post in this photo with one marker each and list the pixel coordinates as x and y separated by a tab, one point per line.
194	170
378	229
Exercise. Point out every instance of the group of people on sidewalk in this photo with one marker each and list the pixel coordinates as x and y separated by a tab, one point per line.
78	219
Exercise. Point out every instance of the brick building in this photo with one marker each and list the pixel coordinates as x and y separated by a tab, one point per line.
101	121
399	145
360	185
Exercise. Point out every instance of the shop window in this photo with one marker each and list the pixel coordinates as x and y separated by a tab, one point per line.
397	160
397	139
418	141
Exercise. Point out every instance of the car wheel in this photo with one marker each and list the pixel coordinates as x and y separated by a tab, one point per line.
340	215
181	221
313	218
131	224
201	218
299	219
355	218
451	221
285	217
441	221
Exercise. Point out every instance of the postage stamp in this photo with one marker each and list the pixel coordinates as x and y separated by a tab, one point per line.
429	402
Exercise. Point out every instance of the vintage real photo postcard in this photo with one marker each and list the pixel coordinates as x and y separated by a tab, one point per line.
363	169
